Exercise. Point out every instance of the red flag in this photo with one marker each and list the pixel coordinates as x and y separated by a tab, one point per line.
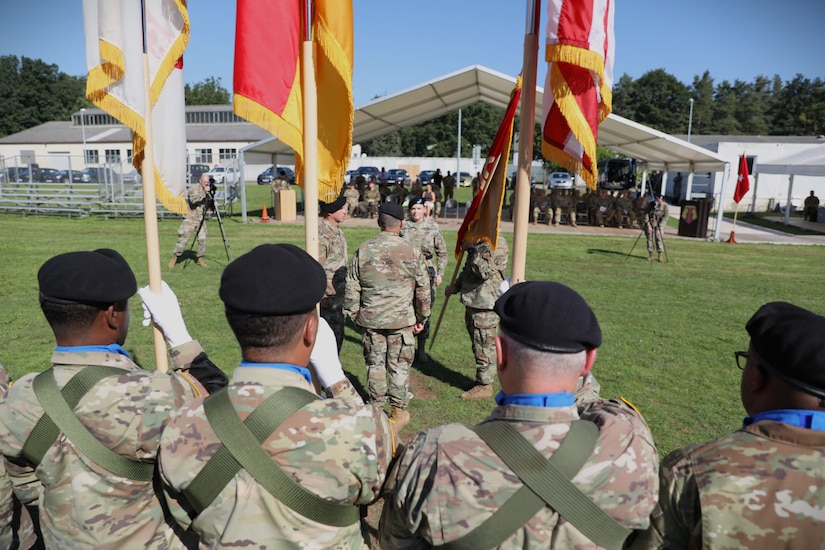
483	218
577	90
267	80
743	183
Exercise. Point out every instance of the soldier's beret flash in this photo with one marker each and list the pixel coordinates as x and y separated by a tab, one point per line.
548	316
392	209
788	340
87	277
334	206
415	201
273	279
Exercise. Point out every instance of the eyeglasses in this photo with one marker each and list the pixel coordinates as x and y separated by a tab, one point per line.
739	356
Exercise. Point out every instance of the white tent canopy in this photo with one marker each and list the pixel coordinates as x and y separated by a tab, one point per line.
453	91
810	162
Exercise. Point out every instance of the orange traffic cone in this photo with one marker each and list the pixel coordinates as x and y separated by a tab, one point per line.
264	216
732	238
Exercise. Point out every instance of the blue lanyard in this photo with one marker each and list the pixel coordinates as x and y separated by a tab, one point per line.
283	366
801	418
111	348
560	399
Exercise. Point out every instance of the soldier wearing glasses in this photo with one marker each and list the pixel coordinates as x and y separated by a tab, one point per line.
758	487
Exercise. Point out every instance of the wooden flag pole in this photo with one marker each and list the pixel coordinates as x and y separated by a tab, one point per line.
150	217
525	148
310	97
446	299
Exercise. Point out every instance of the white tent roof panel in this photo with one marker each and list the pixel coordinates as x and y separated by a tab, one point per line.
805	163
473	84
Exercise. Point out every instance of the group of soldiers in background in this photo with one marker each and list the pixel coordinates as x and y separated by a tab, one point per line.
603	208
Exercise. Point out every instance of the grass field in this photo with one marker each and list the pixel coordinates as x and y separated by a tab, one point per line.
669	329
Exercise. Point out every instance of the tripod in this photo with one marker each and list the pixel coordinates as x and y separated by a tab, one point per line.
210	205
652	223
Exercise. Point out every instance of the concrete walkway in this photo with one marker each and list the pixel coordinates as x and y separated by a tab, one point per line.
745	232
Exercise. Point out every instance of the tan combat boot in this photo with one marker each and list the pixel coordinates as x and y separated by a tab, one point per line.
650	257
401	418
661	258
200	262
480	391
173	262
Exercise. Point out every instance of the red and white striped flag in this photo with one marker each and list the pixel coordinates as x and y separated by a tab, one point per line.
578	88
114	57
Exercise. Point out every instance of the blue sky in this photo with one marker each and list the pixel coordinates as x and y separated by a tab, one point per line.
401	44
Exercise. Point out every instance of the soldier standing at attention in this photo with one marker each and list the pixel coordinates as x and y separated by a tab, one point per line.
760	486
388	296
89	426
475	487
197	198
479	284
332	255
425	234
449	185
303	465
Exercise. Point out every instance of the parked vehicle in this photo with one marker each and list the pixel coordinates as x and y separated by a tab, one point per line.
99	174
561	180
619	173
76	176
369	172
396	175
425	176
49	175
268	175
132	178
223	174
195	171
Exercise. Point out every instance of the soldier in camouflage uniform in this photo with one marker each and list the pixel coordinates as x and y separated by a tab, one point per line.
16	527
388	296
541	204
332	255
333	452
656	214
353	198
281	183
372	199
566	205
83	504
425	233
624	207
760	486
197	198
479	284
450	481
554	211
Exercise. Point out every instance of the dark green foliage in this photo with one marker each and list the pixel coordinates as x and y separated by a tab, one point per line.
208	92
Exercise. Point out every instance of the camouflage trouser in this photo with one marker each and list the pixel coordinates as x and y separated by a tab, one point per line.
332	309
654	237
389	350
424	334
482	325
187	227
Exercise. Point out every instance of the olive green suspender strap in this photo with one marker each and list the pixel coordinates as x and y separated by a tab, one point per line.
546	483
59	417
241	448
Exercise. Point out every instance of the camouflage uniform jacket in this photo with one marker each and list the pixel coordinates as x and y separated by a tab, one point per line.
280	184
482	275
81	504
373	194
338	448
388	286
448	481
196	199
332	255
427	236
758	487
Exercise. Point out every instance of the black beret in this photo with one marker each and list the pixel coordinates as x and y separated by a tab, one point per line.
273	279
417	200
392	209
787	340
334	206
98	277
548	316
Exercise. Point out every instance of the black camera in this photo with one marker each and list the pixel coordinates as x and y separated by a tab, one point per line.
212	187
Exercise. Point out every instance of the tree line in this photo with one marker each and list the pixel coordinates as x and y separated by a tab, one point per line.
34	92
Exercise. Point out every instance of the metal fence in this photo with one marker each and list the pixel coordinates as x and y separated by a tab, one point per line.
63	185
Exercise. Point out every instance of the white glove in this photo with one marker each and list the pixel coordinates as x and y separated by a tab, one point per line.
324	357
164	310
